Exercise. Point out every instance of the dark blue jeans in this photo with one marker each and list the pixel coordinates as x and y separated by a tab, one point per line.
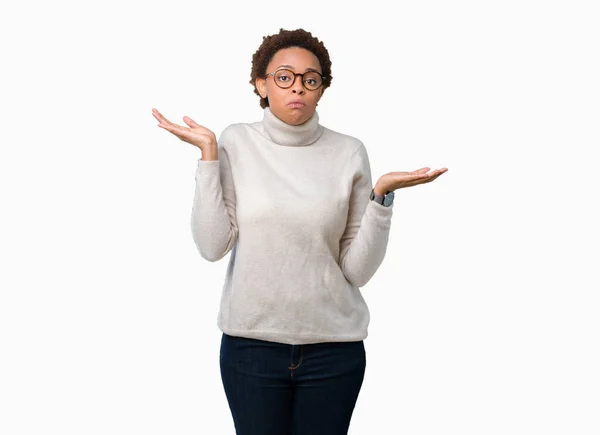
284	389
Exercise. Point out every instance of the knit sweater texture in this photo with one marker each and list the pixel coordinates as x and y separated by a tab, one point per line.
291	203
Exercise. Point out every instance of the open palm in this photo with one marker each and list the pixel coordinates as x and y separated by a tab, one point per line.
195	134
397	180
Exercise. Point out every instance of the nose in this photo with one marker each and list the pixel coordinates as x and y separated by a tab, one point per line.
298	86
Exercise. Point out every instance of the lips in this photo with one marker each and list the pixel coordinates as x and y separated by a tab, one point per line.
296	103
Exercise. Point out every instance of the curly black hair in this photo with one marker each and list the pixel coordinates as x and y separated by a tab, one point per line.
285	39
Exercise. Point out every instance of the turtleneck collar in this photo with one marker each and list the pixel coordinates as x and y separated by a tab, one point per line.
286	134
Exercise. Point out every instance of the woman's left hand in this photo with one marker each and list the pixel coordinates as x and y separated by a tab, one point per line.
397	180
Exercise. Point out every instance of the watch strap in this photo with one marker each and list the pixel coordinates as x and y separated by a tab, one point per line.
377	198
385	200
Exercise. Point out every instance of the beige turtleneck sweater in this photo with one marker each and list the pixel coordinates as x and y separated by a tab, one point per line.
292	205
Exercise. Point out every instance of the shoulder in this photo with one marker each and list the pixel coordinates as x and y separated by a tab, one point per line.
235	141
346	144
353	151
236	131
230	138
230	132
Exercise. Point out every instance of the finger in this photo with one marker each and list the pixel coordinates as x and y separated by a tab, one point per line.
438	172
181	132
160	117
157	114
408	175
174	128
433	176
177	126
405	178
189	121
427	178
420	171
413	183
168	127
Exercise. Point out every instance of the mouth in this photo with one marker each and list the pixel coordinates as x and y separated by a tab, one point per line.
296	104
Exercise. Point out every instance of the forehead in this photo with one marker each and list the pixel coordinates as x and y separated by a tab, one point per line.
298	59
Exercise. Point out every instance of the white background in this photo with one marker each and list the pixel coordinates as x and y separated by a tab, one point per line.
484	313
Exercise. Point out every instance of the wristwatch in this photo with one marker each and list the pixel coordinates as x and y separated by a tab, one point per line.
385	200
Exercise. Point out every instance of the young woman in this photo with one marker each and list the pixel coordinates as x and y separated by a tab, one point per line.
294	203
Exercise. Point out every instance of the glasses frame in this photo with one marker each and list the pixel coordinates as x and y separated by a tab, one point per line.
294	79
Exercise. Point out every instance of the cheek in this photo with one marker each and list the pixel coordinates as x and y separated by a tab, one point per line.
278	96
313	100
273	90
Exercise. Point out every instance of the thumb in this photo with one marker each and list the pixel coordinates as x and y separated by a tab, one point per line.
189	121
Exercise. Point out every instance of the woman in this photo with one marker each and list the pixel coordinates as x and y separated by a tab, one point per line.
294	203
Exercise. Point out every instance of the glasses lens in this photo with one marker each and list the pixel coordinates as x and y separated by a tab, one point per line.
284	78
312	80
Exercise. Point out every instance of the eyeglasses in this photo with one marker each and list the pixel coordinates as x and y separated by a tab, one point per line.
284	78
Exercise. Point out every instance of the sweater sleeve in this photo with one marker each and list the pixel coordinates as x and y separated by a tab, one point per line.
214	225
364	242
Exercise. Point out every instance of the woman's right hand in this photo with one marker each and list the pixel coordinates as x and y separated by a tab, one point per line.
196	134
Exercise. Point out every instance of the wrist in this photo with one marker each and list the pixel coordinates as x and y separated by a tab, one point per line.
379	190
210	152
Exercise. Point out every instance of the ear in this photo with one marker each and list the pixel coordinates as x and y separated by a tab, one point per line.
261	86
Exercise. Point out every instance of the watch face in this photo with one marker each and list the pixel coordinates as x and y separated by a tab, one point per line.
388	198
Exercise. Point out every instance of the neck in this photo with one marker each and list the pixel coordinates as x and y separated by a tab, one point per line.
286	134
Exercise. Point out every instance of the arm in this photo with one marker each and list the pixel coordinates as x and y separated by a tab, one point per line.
364	242
214	225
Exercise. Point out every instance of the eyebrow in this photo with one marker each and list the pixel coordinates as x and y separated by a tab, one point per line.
307	69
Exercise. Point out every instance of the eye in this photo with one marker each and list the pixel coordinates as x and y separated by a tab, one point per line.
283	76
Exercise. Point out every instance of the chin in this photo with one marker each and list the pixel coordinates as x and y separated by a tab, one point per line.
301	115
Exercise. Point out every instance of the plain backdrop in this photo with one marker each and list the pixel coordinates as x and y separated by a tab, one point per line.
484	312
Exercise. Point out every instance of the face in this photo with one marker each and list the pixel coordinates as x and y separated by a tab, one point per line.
297	60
